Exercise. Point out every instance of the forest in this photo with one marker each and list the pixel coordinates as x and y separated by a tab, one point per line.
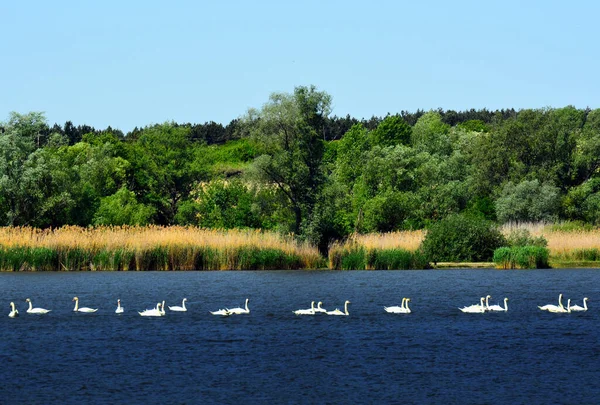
292	167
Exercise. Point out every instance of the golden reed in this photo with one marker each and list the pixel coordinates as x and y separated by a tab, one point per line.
174	240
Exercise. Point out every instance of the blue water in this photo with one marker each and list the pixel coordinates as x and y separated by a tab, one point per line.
434	355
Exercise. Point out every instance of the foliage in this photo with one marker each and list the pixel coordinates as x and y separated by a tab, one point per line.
461	238
122	208
522	237
357	257
528	201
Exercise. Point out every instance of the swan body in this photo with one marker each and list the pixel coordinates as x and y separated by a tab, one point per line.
239	311
82	309
338	312
119	309
13	311
402	309
319	309
222	312
498	307
561	309
475	309
310	311
553	308
153	312
33	310
578	308
182	308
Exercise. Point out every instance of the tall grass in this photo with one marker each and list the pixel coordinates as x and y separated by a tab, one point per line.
151	248
566	241
392	251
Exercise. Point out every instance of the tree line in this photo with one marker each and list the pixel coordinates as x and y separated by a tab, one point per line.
291	166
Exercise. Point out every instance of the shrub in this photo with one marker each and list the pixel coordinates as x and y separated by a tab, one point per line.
462	237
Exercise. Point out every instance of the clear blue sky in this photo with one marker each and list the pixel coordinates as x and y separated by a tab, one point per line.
135	63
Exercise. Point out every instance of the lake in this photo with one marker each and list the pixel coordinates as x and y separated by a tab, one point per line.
436	354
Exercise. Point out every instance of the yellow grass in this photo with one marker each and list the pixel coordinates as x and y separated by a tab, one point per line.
145	238
560	243
407	240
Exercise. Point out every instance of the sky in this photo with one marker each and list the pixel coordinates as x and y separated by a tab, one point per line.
138	63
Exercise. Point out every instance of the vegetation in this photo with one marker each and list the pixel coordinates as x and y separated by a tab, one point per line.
291	168
521	257
151	248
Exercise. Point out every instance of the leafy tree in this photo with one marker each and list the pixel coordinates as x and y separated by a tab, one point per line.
528	201
289	129
393	130
430	134
122	208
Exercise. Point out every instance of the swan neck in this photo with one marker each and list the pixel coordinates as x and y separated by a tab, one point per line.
30	306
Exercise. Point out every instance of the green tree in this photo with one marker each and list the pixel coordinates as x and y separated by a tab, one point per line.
122	208
289	129
528	201
393	130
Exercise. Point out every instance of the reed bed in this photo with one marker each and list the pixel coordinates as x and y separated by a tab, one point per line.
564	242
387	251
151	248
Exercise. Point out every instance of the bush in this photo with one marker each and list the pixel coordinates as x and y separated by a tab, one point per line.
359	258
521	257
522	237
460	238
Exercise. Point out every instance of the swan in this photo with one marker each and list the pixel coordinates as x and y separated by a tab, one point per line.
338	312
310	311
561	309
222	312
153	312
182	308
119	309
238	311
498	307
396	309
553	308
82	309
32	310
13	311
475	309
162	309
319	309
578	308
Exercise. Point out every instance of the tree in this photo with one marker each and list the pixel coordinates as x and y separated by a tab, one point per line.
289	129
122	208
393	130
528	201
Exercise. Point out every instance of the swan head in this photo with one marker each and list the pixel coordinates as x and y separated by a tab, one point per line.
185	299
320	303
75	299
347	302
488	297
27	300
586	298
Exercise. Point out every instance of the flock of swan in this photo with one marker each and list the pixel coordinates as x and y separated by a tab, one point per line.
159	310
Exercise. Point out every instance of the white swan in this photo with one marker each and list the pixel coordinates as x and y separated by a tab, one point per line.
487	302
553	308
578	308
222	312
498	307
33	310
319	309
561	309
475	309
82	309
310	311
153	312
13	311
182	308
238	310
397	309
119	309
338	312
